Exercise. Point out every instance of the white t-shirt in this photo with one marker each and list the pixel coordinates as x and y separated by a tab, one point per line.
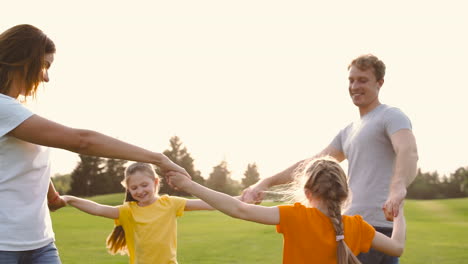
24	180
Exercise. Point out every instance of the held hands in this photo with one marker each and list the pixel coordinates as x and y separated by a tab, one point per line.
178	180
394	202
390	217
253	194
67	199
168	165
56	203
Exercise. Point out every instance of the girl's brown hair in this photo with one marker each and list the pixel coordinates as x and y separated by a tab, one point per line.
116	242
22	51
326	180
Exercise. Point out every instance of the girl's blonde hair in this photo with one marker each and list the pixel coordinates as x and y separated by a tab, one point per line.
327	181
116	242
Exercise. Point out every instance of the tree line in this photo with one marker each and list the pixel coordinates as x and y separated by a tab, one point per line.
429	185
95	175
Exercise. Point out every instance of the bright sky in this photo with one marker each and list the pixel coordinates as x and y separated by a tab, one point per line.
249	81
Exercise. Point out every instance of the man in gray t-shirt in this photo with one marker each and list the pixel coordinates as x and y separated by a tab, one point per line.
381	152
367	146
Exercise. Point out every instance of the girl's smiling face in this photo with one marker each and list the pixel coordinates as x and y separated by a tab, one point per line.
142	187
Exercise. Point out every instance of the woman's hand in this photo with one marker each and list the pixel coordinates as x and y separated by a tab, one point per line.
167	165
178	180
56	203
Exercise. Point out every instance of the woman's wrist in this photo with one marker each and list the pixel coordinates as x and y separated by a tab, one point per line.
53	199
160	159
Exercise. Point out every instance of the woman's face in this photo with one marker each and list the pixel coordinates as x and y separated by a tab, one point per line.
18	86
48	60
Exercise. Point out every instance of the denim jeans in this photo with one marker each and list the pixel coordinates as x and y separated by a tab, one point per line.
43	255
377	257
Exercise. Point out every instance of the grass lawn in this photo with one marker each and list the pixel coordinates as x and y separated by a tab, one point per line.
437	233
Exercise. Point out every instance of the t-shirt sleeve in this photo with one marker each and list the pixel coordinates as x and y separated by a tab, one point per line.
367	235
124	214
336	142
12	114
395	120
178	204
286	212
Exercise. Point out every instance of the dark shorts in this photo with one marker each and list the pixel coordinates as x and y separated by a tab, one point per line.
377	257
43	255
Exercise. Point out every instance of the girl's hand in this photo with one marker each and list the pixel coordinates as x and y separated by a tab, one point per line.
253	194
394	201
178	180
66	199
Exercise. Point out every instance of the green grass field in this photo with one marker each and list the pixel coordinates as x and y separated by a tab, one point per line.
437	233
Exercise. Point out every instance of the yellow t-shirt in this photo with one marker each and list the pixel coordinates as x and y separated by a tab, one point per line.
309	236
151	231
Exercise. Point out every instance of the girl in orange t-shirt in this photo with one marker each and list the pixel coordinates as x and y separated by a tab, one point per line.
314	230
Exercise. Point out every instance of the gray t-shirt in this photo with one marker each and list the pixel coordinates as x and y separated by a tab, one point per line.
367	146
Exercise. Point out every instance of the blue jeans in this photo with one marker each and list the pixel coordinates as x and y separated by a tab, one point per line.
43	255
377	257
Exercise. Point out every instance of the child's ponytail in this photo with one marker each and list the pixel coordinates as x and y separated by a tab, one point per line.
343	253
116	242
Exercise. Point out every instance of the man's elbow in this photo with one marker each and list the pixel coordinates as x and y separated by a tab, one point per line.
399	251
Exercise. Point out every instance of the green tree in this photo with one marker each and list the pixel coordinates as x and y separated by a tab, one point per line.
180	155
459	181
85	174
113	175
251	175
220	180
425	186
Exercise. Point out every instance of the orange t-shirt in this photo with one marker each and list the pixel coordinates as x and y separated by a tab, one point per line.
309	236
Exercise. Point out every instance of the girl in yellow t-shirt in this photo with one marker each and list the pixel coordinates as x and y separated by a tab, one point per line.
314	231
138	231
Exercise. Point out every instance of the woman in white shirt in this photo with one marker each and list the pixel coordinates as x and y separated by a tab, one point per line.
26	54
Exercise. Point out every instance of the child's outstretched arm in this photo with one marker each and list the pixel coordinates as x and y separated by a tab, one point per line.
225	203
198	205
91	207
392	246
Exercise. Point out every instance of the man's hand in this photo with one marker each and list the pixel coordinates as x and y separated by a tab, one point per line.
394	202
253	194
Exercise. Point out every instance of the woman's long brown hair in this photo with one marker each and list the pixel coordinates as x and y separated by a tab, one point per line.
22	52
